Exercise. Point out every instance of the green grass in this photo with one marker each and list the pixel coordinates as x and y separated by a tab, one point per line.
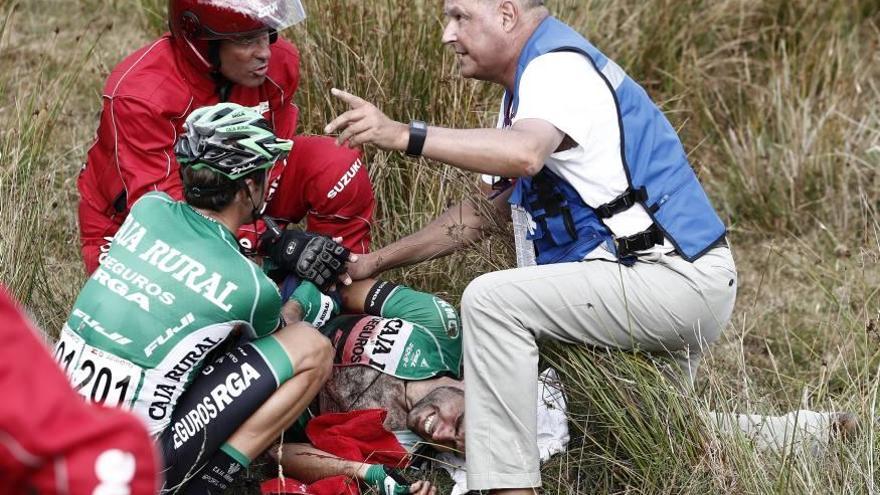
778	102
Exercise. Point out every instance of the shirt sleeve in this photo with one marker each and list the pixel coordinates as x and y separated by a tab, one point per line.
336	188
564	89
267	315
144	149
413	306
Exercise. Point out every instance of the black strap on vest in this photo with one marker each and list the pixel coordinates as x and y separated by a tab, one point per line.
627	246
552	201
623	202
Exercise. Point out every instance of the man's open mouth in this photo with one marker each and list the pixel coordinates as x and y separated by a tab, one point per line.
429	424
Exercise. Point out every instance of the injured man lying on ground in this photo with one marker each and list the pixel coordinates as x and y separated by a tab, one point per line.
395	390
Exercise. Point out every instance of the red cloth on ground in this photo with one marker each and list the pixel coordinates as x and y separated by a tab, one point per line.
357	436
336	485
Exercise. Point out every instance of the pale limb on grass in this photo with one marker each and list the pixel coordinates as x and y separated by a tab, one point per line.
309	464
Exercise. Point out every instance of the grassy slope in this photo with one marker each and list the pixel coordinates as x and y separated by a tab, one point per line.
779	105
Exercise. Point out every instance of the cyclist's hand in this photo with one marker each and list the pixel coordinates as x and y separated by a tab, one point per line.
310	256
423	487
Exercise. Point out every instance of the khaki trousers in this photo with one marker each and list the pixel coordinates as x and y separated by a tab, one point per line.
662	305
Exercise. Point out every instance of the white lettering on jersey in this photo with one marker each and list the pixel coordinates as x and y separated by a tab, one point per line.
162	339
187	270
97	327
345	179
121	289
130	234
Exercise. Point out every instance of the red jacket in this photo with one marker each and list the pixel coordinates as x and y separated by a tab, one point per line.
50	439
146	101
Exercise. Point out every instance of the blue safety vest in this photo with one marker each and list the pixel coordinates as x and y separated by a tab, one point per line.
657	170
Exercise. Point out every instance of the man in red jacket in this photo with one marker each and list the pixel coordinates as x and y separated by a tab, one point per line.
217	50
53	442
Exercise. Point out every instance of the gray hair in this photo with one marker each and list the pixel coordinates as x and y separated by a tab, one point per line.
528	4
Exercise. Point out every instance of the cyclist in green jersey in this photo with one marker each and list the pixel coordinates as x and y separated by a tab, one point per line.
174	287
399	351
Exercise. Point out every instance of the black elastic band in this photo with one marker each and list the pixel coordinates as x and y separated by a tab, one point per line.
376	297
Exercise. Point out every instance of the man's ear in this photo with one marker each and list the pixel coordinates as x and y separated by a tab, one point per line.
509	15
254	186
250	190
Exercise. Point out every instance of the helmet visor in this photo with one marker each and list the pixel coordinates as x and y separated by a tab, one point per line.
271	15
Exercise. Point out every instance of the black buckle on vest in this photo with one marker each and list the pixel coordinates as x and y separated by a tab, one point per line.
552	201
623	202
626	246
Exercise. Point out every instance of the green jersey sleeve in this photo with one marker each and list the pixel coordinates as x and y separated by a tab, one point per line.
317	307
399	301
426	311
267	309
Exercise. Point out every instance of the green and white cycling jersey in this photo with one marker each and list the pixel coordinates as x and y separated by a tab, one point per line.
172	287
407	334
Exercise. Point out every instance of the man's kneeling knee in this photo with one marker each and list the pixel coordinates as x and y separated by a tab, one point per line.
307	349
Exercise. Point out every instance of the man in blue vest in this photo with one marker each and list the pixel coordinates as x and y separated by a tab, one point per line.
617	243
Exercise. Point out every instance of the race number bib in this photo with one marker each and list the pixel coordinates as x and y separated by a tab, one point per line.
95	374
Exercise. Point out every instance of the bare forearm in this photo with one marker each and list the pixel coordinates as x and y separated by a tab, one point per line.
308	464
503	152
456	227
354	296
517	151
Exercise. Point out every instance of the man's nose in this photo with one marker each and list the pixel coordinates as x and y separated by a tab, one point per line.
449	35
262	50
444	433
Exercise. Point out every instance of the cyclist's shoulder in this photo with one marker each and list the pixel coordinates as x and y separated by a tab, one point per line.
154	201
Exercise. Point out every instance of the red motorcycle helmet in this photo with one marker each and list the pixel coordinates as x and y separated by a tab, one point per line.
194	24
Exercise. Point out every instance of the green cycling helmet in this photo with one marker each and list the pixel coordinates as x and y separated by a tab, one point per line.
229	139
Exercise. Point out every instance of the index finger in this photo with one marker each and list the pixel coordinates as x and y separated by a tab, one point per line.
353	101
342	121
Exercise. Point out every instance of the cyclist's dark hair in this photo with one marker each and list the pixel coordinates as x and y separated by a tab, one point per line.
205	188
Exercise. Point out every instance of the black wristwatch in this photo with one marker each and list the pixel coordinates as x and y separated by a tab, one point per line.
418	130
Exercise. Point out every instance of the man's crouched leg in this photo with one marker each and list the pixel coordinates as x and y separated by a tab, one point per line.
239	404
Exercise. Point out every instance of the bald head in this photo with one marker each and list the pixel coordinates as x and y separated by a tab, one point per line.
488	35
523	3
525	6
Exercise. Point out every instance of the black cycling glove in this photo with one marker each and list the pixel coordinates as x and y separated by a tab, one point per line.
312	257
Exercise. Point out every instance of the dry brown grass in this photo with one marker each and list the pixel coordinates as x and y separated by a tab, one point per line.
778	102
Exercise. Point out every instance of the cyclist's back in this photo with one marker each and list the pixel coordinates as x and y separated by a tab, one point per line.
172	287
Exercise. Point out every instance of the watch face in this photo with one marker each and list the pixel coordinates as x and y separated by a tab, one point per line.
418	124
